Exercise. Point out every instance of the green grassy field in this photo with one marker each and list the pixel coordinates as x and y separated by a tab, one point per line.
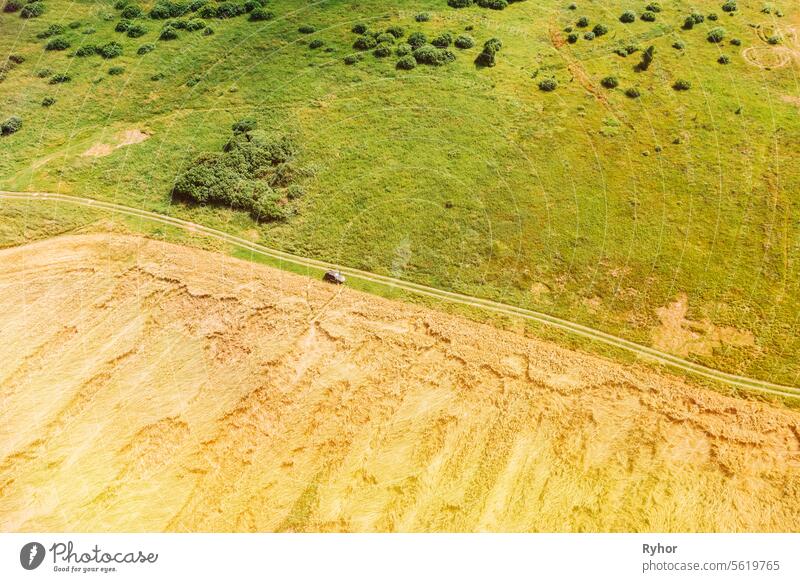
581	202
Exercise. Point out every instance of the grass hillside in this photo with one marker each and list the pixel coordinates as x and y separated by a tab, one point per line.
648	192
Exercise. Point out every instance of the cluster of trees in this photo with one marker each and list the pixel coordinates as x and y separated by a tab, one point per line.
254	172
417	49
487	57
492	4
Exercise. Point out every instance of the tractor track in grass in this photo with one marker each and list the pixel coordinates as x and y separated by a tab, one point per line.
645	352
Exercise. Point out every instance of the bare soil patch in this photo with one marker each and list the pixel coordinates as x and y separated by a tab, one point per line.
122	139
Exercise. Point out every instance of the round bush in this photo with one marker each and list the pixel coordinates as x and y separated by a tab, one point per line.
572	38
736	42
396	31
443	40
86	50
712	17
774	39
75	24
716	34
260	15
417	39
168	33
627	17
422	17
724	60
316	43
548	85
464	42
431	55
610	82
194	24
131	11
493	4
730	6
459	3
385	38
383	50
122	25
678	44
359	28
146	48
600	30
681	85
136	30
407	63
32	10
60	78
306	29
57	44
653	7
633	93
648	16
403	49
48	101
110	51
352	59
11	125
589	35
229	10
16	59
114	71
365	42
582	22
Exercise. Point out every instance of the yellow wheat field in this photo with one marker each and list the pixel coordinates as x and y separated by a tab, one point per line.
150	387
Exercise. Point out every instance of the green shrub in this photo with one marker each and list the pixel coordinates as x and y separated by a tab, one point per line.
86	50
648	16
407	63
110	51
459	3
75	24
120	4
11	125
243	126
114	71
316	43
653	7
582	22
229	10
774	39
417	39
383	50
712	17
681	85
572	38
32	10
195	24
132	12
385	38
633	93
627	17
730	6
493	4
48	101
678	44
260	15
168	33
208	31
16	59
736	42
146	48
359	28
52	30
647	58
365	42
165	9
403	49
396	31
588	35
548	85
716	34
352	59
122	25
443	40
600	29
430	55
306	29
724	60
488	56
57	44
60	78
42	73
422	17
136	30
689	23
464	41
610	82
